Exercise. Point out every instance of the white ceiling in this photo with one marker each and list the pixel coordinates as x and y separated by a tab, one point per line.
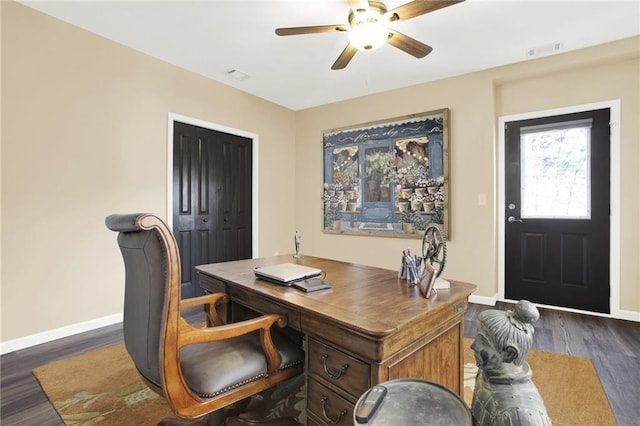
215	36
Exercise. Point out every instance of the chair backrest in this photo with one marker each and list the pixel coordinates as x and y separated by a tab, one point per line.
151	260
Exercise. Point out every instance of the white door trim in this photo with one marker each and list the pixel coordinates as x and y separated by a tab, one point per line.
173	117
614	254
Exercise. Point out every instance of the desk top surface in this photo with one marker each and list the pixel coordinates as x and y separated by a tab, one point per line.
371	300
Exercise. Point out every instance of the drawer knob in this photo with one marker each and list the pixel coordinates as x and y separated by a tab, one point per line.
334	376
326	416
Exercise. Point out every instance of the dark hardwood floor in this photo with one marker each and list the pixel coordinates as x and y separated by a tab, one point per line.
612	345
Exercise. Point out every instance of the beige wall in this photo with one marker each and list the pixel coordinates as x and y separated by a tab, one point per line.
84	135
476	101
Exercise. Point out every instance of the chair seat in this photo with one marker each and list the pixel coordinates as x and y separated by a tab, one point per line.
211	369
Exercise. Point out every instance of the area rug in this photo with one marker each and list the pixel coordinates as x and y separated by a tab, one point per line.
103	387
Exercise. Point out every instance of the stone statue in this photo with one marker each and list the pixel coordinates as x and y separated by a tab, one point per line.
504	393
296	239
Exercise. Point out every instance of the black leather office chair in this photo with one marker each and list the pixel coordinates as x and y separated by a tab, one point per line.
198	371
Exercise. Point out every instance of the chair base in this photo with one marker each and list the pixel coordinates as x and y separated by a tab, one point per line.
238	421
170	421
233	421
230	416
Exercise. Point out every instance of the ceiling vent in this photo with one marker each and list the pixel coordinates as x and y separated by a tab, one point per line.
544	49
238	75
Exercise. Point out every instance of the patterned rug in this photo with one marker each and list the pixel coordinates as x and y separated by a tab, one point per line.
103	387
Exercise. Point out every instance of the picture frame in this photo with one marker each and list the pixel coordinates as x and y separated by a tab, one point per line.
428	281
387	178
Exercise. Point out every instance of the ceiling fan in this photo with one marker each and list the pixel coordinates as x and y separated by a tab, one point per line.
368	27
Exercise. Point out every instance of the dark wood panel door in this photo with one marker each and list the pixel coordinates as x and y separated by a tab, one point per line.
212	193
557	211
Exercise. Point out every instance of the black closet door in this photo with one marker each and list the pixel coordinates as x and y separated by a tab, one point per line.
212	193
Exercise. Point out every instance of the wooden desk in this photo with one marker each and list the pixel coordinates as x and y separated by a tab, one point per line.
370	328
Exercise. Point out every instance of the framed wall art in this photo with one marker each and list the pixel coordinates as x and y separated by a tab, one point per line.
388	178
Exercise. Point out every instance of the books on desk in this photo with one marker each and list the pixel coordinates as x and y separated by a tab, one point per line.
313	284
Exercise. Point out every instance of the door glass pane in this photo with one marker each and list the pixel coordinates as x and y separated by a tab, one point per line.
555	171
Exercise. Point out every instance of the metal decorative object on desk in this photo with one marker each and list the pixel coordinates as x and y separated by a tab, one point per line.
434	248
424	271
504	393
296	239
434	251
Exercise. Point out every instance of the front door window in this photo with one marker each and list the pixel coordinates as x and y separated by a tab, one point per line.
555	170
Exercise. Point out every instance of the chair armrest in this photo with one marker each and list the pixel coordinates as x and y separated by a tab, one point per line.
189	335
211	298
208	299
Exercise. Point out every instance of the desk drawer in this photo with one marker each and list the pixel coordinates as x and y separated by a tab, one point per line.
327	406
346	372
265	306
211	285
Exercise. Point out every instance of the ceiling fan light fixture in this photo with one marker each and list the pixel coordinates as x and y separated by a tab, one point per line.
368	34
368	27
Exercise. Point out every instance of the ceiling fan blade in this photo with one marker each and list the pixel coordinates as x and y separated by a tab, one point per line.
410	45
344	58
417	8
310	30
359	5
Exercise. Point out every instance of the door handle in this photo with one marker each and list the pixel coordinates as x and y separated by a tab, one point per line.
512	219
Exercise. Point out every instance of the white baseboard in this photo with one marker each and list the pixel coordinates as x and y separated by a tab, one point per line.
628	315
58	333
619	314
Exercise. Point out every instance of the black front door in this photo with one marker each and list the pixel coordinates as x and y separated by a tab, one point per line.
557	210
212	193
